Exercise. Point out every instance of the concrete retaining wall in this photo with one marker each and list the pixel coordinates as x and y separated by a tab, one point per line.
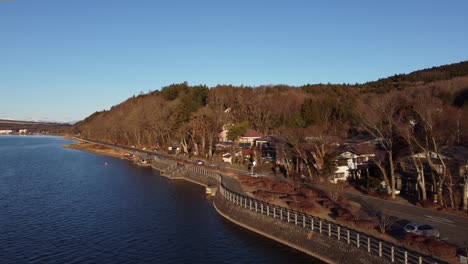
318	246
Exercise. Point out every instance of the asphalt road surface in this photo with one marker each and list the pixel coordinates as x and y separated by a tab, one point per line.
453	228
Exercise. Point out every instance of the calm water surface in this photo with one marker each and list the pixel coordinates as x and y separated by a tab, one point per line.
62	206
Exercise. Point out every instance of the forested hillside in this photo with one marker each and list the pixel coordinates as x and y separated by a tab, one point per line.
422	113
197	113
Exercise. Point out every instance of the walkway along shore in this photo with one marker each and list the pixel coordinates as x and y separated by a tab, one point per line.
319	238
327	241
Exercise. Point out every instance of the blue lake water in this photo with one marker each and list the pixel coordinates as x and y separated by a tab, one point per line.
61	205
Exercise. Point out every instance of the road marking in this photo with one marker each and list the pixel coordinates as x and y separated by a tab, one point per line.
439	219
410	217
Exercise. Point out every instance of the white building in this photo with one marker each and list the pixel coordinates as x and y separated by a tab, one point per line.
6	131
350	165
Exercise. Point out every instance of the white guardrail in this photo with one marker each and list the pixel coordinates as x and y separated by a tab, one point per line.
372	245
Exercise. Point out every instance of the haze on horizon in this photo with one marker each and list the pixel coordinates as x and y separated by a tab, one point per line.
64	60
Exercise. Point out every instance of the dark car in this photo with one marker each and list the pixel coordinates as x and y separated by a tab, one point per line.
422	230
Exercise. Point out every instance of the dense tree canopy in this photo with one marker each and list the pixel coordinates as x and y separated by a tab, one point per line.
159	117
420	112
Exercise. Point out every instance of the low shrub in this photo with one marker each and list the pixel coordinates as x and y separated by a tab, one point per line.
365	224
441	249
438	248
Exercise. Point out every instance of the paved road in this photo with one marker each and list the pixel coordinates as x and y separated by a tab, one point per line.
453	228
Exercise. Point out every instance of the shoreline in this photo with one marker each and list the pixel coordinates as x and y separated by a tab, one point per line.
251	222
96	149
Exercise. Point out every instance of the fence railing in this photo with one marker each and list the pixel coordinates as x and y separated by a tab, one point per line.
383	249
372	245
208	173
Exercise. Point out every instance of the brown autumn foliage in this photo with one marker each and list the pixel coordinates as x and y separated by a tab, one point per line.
438	248
312	119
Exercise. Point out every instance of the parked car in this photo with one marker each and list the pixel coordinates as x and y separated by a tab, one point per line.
200	162
383	188
422	230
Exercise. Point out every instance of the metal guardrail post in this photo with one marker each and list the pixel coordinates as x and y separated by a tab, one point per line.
393	254
242	200
368	244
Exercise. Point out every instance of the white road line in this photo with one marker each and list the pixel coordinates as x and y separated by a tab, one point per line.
439	219
396	213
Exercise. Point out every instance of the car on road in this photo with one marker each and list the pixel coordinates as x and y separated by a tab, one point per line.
422	230
200	162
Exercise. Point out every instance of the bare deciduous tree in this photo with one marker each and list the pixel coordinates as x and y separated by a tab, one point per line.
384	221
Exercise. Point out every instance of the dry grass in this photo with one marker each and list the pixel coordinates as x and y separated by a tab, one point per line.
96	149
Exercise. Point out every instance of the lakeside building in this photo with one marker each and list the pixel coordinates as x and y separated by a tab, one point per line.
248	138
6	132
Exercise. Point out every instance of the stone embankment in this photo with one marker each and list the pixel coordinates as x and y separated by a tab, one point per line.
314	244
309	242
317	237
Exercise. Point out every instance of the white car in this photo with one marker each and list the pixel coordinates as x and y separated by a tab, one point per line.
422	230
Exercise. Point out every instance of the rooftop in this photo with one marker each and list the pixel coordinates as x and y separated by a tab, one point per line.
252	133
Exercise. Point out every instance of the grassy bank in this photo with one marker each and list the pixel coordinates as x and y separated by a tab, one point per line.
96	149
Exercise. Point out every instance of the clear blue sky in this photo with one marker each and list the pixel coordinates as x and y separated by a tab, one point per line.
64	60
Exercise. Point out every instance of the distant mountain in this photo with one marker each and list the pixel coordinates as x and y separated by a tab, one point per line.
41	121
34	126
